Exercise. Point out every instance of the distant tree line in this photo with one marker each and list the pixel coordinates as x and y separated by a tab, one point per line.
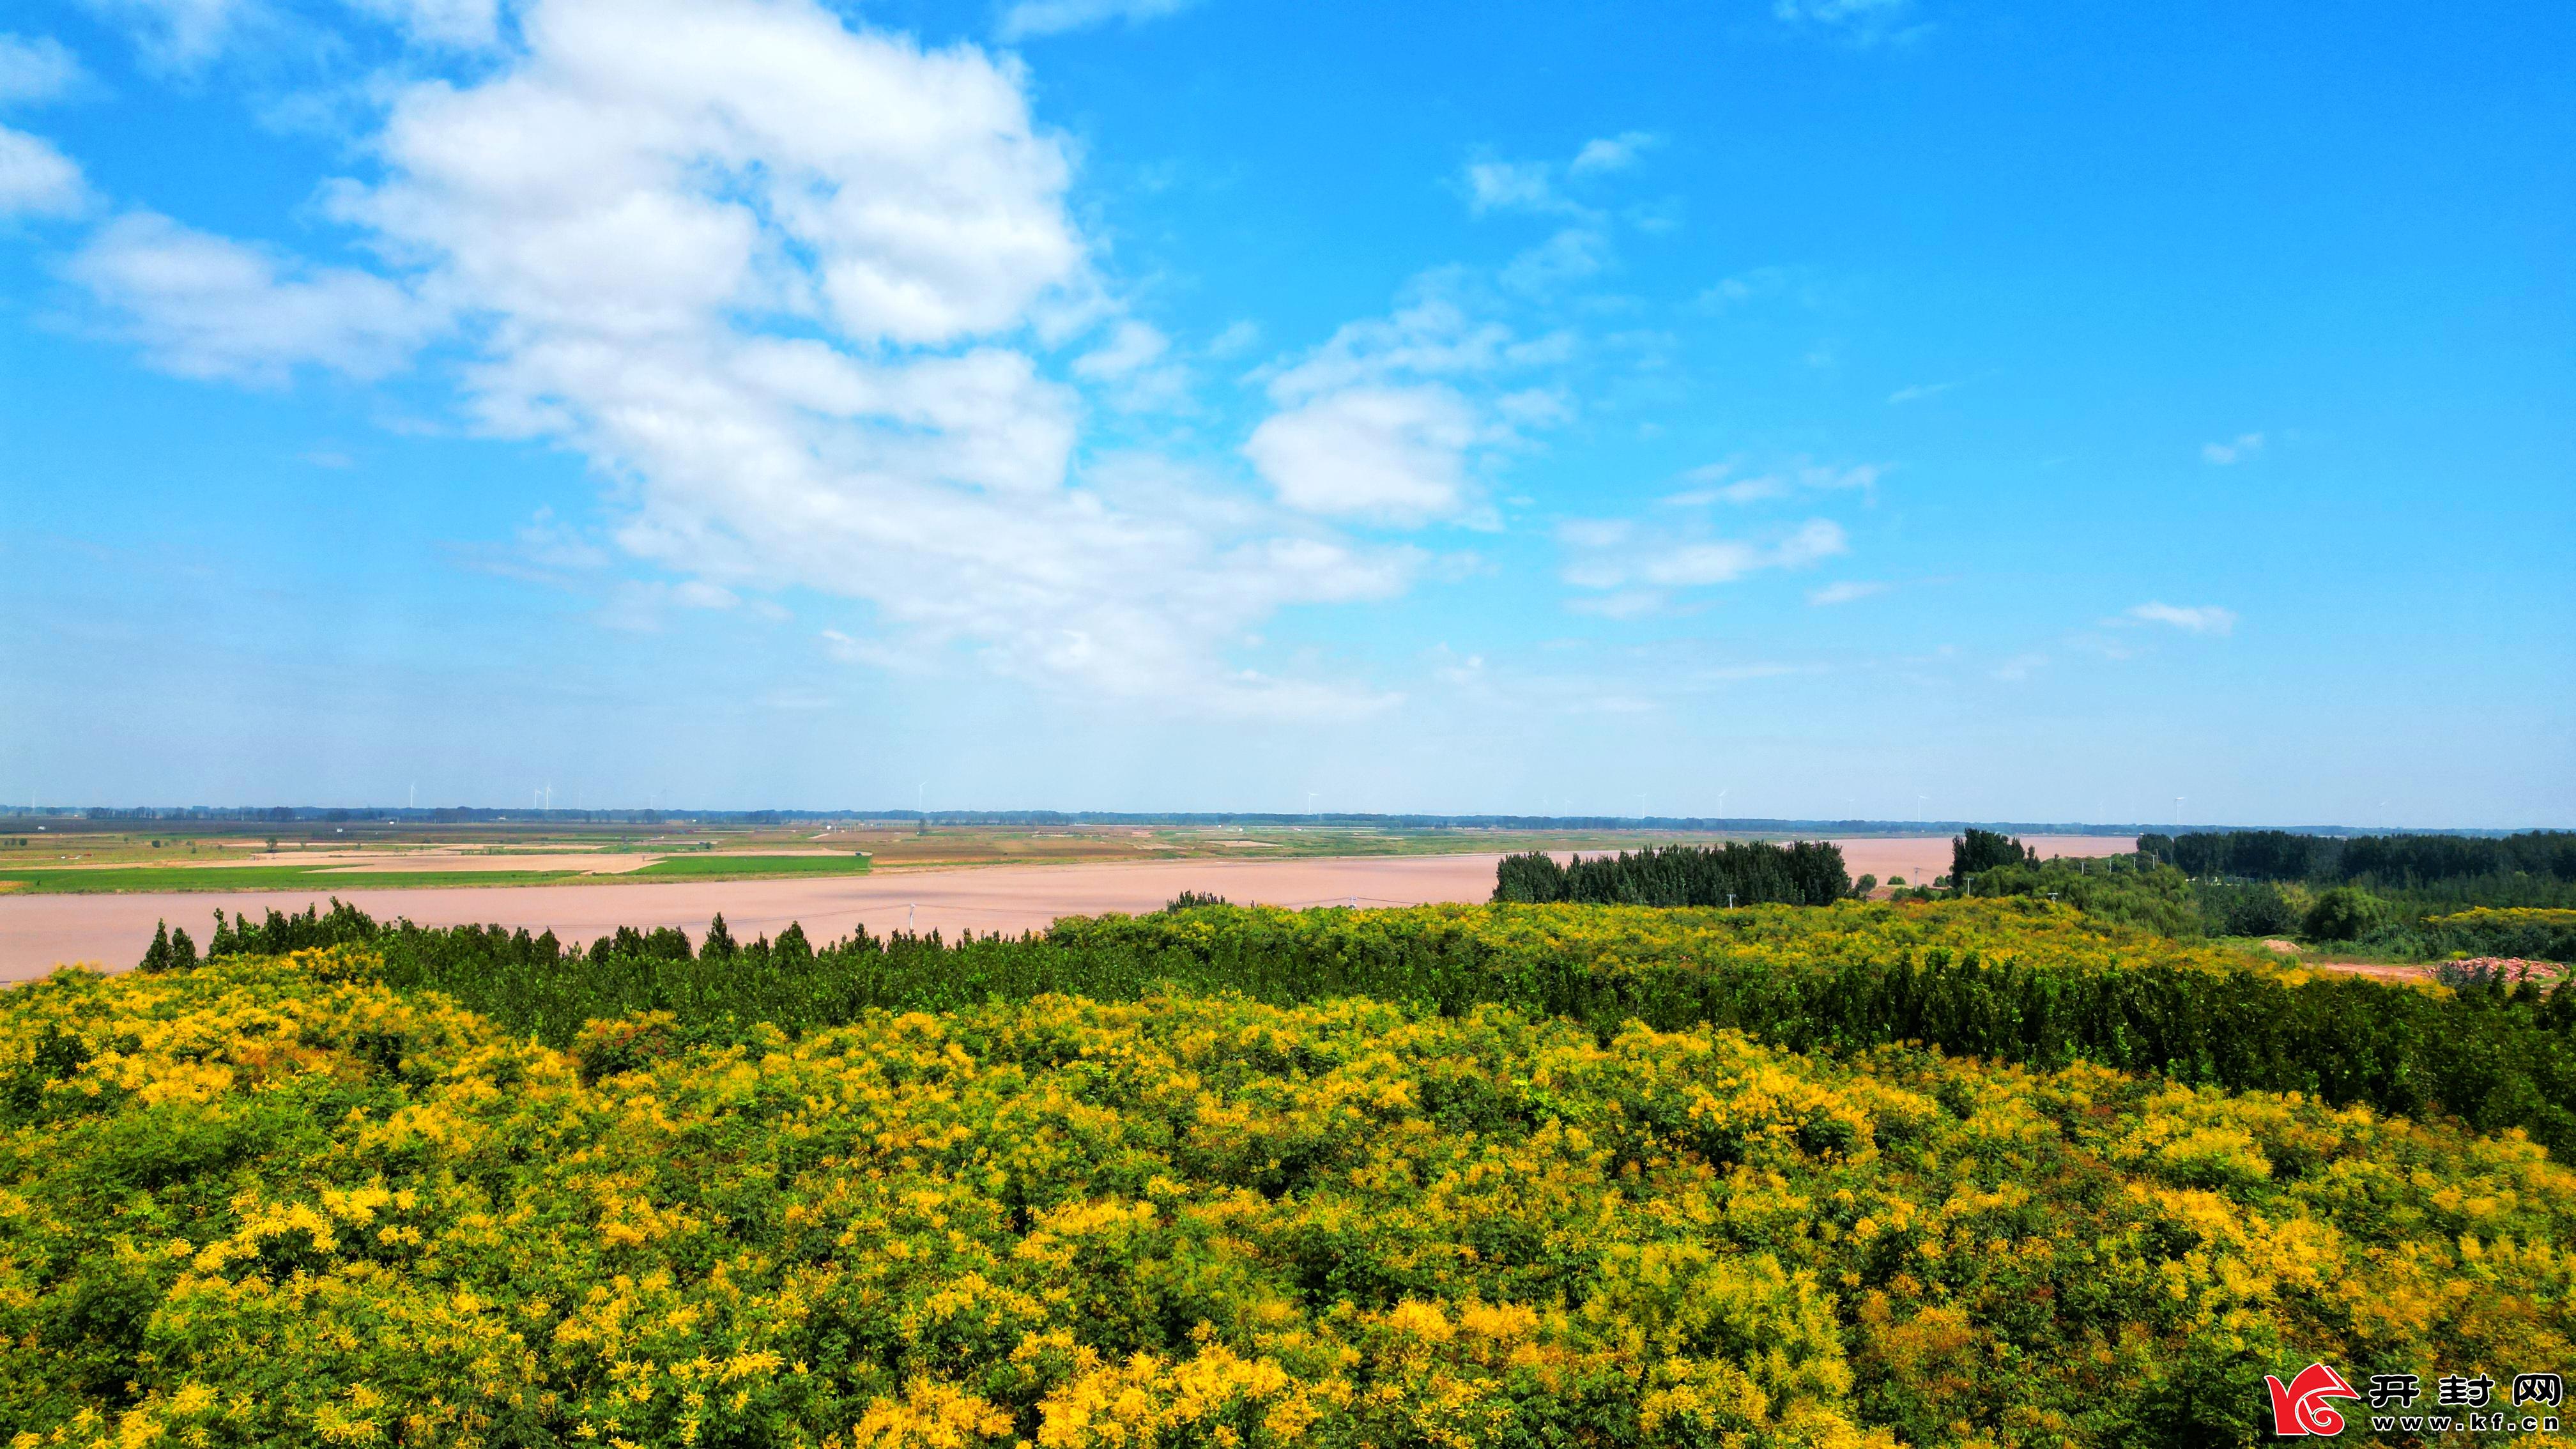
2389	860
2419	896
1800	873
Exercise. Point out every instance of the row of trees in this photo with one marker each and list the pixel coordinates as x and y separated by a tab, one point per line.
2411	912
2387	860
1737	873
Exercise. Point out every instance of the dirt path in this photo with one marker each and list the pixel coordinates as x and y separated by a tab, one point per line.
40	932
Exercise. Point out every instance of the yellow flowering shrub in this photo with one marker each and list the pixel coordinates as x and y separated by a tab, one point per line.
269	1202
2508	916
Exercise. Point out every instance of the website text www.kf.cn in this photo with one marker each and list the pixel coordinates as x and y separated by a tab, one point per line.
2466	1403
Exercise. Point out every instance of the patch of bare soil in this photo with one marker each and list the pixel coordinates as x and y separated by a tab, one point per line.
40	932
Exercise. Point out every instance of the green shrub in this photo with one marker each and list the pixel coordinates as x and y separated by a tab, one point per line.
2344	913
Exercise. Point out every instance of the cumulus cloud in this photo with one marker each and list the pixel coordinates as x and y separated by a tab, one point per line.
37	180
1131	366
177	34
1613	153
2245	445
1531	186
1384	453
780	280
2202	619
205	306
1511	186
1055	17
35	70
1377	423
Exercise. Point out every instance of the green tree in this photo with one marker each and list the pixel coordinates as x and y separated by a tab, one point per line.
2344	913
1983	850
156	957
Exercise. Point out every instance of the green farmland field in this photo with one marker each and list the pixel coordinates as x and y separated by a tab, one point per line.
256	878
735	867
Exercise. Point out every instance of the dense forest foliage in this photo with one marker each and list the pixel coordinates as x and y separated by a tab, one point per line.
2018	979
1800	873
2417	896
2391	861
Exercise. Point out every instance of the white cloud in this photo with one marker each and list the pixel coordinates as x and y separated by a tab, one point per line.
35	70
1536	407
1531	186
1239	337
1054	17
1623	604
1614	153
177	34
37	180
1430	335
1918	392
1864	21
652	173
2020	667
465	24
638	607
1845	592
1130	367
1636	568
1569	256
2245	445
2203	619
204	306
1718	483
1376	424
777	279
699	594
1383	453
1511	186
1131	346
1796	284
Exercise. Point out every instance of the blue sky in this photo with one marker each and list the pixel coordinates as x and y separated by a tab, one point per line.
1833	407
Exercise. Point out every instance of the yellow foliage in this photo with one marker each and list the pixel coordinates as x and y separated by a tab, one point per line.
1191	1220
